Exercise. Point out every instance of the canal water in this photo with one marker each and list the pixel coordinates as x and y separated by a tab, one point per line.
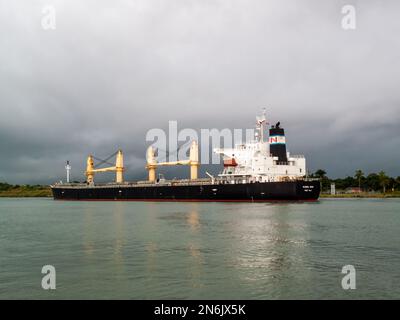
150	250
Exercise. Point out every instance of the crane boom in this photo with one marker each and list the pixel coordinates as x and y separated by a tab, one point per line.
118	168
193	162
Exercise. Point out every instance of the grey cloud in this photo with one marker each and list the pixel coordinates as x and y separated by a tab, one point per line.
112	70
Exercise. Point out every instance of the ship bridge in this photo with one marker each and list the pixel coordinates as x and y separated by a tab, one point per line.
263	159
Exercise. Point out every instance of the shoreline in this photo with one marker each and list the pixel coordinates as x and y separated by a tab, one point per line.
27	192
361	195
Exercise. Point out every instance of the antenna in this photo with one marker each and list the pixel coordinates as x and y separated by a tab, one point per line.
261	124
68	168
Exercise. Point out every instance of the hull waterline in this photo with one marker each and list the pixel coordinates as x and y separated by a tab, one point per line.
246	192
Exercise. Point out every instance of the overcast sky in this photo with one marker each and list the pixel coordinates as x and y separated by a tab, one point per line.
112	70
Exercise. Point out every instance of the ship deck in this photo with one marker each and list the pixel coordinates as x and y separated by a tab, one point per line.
178	182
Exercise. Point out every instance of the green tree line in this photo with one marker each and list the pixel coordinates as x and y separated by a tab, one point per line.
9	190
4	186
372	182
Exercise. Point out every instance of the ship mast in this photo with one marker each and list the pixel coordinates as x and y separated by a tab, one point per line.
68	168
261	124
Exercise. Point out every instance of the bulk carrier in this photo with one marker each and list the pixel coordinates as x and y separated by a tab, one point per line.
259	170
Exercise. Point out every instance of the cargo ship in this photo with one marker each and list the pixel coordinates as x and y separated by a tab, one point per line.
257	170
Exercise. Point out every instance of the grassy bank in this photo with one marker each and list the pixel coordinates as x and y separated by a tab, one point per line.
363	195
7	190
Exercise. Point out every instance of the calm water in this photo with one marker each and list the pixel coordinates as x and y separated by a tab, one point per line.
134	250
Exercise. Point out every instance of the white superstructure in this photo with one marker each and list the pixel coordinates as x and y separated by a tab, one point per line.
261	159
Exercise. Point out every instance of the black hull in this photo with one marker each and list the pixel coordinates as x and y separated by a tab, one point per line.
266	191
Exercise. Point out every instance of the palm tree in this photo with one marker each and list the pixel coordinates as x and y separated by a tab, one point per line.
320	173
358	175
383	180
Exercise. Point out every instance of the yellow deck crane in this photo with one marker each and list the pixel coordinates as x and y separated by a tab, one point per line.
193	162
118	168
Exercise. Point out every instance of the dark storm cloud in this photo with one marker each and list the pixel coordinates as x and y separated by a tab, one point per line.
114	69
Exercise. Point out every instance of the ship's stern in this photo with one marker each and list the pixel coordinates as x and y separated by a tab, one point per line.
308	189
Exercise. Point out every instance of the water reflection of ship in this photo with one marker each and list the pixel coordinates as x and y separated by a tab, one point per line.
197	265
91	233
192	270
193	217
270	242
